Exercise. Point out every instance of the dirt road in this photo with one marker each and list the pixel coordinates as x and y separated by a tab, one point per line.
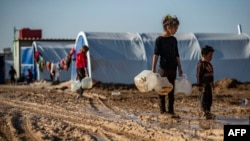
44	112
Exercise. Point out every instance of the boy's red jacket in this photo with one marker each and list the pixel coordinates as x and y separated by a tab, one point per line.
81	60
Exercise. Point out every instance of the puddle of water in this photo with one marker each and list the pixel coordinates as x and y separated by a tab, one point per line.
246	105
234	121
131	117
194	126
196	123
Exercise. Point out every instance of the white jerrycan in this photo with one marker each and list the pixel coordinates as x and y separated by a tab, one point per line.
183	85
163	86
86	83
145	81
75	85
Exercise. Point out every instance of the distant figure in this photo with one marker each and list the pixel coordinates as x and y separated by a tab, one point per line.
12	74
2	70
205	78
29	76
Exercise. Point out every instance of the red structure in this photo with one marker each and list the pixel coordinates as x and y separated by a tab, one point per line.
30	33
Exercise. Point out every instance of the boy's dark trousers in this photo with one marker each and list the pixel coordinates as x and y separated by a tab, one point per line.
81	74
206	98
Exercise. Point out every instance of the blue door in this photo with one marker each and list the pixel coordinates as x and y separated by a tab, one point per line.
27	61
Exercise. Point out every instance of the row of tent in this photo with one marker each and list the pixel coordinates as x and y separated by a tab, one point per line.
119	57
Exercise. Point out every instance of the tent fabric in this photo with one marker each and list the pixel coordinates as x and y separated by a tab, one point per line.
119	57
53	52
110	51
116	61
231	57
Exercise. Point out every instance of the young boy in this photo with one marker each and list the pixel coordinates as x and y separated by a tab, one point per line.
205	78
81	66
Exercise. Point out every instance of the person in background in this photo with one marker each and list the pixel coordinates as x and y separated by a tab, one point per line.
12	74
29	76
2	70
166	49
205	78
81	66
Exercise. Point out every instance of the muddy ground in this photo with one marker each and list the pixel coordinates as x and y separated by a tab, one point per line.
44	112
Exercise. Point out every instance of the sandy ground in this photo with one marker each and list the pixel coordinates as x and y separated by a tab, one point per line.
44	112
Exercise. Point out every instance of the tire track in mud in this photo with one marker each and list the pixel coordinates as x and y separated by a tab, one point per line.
8	131
115	113
100	106
97	124
103	109
5	133
71	118
29	132
15	128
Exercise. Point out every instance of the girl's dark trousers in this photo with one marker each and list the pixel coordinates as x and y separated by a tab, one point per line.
171	75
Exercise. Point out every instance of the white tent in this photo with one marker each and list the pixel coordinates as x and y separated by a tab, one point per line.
53	51
119	57
232	55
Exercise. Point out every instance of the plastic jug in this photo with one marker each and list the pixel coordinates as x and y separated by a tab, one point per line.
163	86
86	83
75	85
183	85
145	81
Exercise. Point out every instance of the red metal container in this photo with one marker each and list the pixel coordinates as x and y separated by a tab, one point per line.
30	33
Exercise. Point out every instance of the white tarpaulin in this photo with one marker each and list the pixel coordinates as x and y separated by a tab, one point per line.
116	57
119	57
232	55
